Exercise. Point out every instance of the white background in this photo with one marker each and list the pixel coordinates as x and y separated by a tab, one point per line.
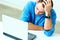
21	3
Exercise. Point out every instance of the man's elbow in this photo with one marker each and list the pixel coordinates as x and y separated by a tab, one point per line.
48	34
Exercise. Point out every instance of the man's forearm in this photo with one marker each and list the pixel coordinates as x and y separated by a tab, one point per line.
34	27
48	23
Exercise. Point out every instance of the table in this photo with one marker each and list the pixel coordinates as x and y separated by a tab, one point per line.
40	35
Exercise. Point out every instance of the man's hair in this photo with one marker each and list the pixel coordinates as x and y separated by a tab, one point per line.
46	0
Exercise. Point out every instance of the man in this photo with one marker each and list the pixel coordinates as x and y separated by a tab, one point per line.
40	15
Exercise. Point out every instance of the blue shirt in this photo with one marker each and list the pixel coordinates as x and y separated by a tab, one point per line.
28	15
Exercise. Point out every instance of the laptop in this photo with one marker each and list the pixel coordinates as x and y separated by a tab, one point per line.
31	36
16	29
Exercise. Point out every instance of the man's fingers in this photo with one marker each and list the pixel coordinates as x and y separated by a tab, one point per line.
45	2
49	1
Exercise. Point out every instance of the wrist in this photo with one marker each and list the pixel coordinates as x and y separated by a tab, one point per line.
47	13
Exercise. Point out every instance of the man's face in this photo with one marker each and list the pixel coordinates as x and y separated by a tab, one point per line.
39	8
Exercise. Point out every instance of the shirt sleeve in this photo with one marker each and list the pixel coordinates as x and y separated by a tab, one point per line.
53	17
26	13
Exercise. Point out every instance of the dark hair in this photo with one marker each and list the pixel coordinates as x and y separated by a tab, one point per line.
46	0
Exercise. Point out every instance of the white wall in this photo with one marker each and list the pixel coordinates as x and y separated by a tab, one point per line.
57	8
14	3
20	5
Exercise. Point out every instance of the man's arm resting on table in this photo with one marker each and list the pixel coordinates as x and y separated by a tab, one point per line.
47	25
34	27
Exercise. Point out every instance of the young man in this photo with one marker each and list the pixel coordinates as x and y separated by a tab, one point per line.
40	16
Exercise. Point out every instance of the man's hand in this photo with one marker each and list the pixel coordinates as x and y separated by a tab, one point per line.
47	7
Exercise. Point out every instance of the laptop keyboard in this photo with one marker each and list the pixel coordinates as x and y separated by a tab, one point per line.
31	36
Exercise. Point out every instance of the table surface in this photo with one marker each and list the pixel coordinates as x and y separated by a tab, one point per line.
39	34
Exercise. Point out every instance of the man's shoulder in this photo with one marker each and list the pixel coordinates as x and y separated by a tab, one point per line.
53	11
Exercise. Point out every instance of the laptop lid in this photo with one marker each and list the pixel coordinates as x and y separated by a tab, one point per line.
15	27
